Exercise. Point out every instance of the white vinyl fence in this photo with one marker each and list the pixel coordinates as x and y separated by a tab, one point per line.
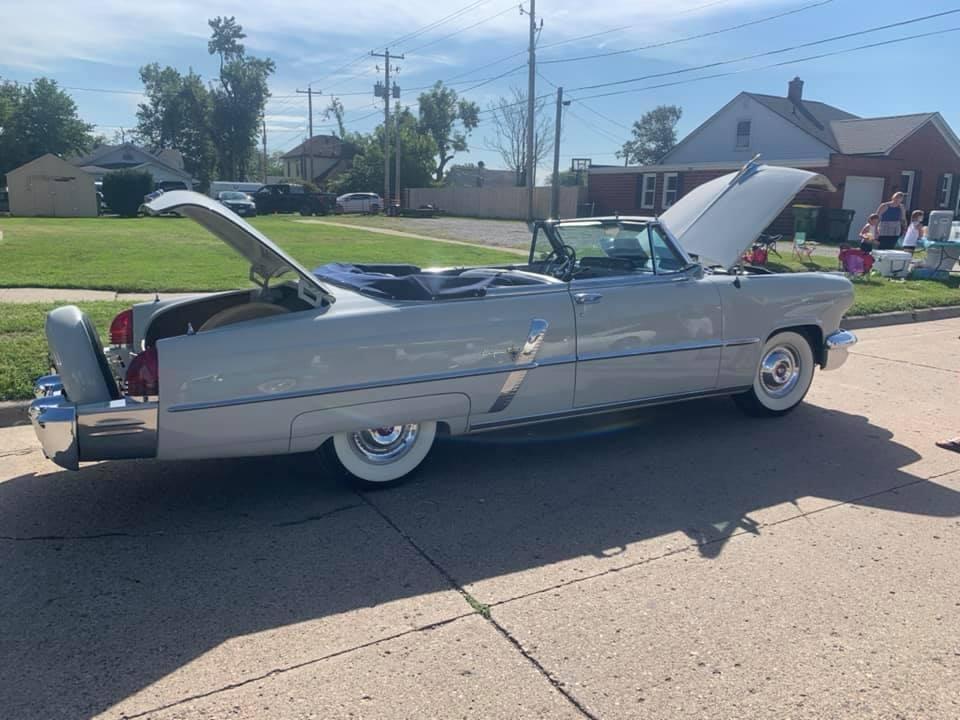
509	203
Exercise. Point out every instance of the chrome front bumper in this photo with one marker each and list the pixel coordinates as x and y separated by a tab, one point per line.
113	430
836	348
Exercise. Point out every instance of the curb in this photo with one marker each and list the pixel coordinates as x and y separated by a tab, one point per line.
14	412
900	318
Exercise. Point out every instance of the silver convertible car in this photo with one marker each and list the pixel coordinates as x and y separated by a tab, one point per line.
368	363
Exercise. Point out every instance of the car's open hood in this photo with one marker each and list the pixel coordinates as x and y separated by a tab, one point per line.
266	259
719	220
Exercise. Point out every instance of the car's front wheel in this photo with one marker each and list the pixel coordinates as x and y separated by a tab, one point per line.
783	376
381	457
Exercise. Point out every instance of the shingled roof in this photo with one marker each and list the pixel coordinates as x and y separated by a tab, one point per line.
876	136
814	118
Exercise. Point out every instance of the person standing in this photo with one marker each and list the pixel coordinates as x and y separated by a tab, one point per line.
869	234
912	237
893	221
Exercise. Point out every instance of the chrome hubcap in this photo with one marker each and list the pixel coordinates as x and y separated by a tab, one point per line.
780	371
384	444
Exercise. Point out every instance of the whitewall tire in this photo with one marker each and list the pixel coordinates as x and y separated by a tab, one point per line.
380	457
782	378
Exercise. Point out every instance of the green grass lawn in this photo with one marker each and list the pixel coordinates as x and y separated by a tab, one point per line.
173	254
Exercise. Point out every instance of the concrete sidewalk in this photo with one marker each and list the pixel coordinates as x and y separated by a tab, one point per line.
66	295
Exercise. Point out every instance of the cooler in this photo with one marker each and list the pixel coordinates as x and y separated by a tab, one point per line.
892	263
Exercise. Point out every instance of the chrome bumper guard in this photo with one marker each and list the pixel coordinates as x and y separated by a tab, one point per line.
836	348
113	430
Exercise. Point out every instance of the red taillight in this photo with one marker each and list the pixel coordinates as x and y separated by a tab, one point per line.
121	329
143	375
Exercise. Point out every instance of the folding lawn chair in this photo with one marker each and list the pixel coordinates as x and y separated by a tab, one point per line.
855	261
803	248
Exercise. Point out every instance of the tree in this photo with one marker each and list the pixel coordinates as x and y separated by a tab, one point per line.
654	135
177	115
440	112
225	39
123	190
570	178
509	117
417	152
238	102
335	110
37	119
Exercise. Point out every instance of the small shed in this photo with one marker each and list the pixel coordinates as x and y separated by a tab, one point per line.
51	187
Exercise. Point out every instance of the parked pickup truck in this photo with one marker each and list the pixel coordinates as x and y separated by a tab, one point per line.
287	198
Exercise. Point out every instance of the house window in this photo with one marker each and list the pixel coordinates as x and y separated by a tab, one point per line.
946	186
648	194
743	134
671	182
907	179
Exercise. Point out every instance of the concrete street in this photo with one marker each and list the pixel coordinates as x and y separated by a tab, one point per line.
677	562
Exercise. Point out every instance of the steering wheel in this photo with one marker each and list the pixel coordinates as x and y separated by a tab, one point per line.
561	266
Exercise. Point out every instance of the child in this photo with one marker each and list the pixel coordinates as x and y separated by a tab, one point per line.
868	233
914	231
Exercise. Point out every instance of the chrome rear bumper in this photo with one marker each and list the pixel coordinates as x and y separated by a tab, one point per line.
836	348
124	428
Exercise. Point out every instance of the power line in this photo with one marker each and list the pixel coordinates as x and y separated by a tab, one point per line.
768	53
446	18
782	63
511	8
688	38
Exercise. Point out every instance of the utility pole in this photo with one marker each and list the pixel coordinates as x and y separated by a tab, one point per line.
385	91
396	154
531	93
309	145
555	185
263	159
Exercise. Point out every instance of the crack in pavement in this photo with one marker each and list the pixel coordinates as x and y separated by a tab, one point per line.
725	538
903	362
483	610
161	533
18	452
296	666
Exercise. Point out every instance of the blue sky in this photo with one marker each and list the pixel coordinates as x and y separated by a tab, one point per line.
102	45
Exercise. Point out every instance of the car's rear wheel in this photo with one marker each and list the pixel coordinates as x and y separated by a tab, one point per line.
783	376
381	457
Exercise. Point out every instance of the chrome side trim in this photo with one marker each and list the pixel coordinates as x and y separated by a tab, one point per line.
661	349
526	356
124	428
410	380
605	408
836	348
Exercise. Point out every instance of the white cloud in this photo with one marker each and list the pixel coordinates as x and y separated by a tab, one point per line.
119	32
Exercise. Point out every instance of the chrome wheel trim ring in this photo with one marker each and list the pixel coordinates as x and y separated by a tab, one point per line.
780	371
383	445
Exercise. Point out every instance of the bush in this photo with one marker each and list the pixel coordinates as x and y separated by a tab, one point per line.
123	190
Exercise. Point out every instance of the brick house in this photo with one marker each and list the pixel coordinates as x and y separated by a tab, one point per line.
867	159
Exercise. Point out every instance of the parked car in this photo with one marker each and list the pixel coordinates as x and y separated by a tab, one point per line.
367	203
239	202
218	186
368	363
288	198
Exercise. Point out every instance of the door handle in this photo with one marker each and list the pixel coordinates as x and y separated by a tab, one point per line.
587	298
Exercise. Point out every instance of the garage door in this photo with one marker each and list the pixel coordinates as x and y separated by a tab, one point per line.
863	195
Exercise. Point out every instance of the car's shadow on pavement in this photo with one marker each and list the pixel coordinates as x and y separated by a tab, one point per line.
118	575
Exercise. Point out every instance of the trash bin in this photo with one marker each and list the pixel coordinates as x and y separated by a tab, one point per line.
836	225
805	220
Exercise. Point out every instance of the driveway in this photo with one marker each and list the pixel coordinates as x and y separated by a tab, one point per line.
679	562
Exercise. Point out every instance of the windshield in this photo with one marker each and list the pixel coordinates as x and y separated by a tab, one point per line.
636	247
232	196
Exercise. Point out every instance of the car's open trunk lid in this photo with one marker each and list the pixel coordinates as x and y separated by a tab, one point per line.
266	259
719	220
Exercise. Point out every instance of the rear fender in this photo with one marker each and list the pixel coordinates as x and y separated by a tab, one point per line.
309	430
